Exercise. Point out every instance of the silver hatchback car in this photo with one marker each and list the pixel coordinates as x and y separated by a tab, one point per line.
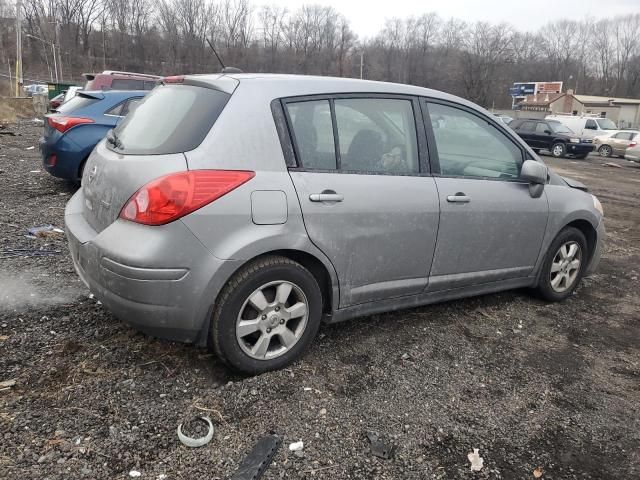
239	211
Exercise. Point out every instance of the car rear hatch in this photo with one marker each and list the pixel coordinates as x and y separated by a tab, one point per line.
149	143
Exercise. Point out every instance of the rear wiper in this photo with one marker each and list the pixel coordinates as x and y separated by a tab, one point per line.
112	138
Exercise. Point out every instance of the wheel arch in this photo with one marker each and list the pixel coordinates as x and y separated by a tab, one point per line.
326	281
589	233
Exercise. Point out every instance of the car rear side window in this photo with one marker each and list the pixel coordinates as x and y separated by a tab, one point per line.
542	128
76	103
313	132
377	135
171	119
470	146
527	126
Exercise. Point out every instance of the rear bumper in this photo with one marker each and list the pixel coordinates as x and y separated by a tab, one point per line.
597	253
161	280
69	157
633	157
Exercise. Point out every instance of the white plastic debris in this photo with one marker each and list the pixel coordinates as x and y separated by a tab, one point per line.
296	446
135	474
30	148
196	442
307	389
476	460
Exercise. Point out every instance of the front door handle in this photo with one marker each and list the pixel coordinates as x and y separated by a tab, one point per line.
326	196
458	198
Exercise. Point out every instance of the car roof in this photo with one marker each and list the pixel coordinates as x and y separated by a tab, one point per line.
273	85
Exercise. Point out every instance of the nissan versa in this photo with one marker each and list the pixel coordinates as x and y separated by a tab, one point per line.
241	210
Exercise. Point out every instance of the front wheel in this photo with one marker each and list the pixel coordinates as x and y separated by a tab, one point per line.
563	266
605	151
558	150
266	316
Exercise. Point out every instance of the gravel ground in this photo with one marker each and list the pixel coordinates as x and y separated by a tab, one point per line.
535	387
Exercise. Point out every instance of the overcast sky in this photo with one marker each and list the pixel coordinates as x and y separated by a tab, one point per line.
367	16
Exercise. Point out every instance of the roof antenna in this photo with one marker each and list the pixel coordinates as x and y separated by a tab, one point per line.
225	69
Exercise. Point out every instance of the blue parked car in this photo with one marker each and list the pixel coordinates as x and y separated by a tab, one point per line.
71	132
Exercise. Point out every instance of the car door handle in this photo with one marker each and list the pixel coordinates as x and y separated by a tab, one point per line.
326	196
458	198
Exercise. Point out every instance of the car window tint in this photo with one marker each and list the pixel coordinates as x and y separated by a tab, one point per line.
527	126
313	131
541	127
591	125
472	147
377	135
150	129
130	105
149	85
117	110
126	84
624	136
76	103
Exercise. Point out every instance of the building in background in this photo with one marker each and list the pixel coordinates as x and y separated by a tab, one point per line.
520	90
624	112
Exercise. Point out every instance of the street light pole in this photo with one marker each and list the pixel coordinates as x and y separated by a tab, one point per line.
44	50
19	80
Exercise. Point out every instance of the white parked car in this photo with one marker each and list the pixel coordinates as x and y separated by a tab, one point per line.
587	127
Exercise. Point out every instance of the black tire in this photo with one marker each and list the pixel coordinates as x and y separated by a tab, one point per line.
544	287
605	151
558	150
234	295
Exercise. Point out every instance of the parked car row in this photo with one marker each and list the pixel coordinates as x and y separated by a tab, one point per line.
240	211
81	116
553	136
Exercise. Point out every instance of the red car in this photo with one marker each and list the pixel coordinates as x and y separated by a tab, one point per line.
111	80
56	101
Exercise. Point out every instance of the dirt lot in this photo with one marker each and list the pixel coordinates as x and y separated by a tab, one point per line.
531	385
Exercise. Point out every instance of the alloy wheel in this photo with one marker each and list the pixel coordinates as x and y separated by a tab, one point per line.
557	150
272	320
565	266
605	151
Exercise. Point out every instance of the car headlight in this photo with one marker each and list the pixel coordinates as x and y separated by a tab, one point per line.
574	140
597	205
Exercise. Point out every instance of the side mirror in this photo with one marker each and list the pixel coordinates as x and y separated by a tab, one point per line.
536	174
548	132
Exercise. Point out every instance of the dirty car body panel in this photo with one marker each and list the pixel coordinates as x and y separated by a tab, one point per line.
377	240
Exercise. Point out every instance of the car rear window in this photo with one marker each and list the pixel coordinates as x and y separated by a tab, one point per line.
171	119
76	103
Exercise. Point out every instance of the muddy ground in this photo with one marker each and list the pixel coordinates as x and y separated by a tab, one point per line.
535	387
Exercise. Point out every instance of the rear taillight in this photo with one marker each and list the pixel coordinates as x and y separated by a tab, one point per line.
173	196
173	79
62	123
633	144
52	160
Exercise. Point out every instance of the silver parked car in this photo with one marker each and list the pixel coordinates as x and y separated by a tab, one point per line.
241	210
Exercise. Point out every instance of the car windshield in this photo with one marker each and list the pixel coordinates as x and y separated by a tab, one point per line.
558	127
606	124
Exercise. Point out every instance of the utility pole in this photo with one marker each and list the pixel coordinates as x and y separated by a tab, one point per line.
19	80
361	63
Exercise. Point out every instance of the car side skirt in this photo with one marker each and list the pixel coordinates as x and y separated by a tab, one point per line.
412	301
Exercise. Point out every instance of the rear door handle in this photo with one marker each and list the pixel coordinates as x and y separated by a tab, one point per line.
326	196
458	198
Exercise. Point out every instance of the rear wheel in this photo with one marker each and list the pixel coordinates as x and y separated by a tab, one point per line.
563	266
558	150
266	316
605	151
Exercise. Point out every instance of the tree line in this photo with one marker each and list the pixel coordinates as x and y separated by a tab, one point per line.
478	61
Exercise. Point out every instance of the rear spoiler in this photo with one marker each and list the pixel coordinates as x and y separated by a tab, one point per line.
96	95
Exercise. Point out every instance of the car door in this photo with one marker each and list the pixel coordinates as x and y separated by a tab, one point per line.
367	200
543	135
490	227
526	130
620	142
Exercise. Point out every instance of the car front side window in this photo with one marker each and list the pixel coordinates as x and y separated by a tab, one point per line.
470	146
